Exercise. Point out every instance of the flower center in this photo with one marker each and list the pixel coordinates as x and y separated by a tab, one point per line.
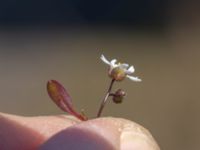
118	73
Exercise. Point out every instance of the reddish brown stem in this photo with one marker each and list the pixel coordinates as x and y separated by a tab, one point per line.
105	98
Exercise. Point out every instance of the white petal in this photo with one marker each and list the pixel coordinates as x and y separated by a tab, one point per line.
112	63
130	70
104	60
125	66
134	78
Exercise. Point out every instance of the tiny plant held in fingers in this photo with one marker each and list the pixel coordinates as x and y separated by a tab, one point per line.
117	72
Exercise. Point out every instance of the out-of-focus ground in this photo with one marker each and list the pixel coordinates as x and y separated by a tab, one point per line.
166	101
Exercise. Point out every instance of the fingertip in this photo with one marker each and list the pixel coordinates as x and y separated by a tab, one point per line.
28	133
75	138
103	133
95	134
14	135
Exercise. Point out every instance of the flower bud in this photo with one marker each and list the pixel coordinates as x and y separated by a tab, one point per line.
118	96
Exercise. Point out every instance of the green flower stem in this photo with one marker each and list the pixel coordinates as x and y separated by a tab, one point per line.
105	98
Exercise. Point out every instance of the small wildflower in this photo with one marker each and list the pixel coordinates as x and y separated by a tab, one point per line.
119	71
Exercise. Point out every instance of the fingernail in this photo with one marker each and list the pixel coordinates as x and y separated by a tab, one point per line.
137	139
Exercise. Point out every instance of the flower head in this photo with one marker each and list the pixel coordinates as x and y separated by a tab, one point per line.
119	71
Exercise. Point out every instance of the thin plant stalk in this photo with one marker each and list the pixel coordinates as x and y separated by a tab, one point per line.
105	98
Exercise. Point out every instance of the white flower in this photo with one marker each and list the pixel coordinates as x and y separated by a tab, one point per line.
120	70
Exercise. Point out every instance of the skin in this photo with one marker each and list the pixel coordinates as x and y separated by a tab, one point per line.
66	132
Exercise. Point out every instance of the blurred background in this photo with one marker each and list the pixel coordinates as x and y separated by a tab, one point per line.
63	40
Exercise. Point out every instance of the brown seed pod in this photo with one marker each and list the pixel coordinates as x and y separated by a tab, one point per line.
118	96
